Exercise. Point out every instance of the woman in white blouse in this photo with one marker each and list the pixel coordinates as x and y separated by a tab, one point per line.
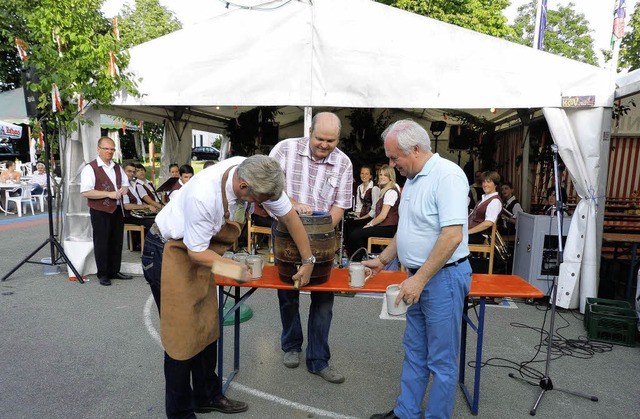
385	220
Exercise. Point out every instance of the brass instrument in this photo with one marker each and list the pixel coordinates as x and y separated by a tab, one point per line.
501	248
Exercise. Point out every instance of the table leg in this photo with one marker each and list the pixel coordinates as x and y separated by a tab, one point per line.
238	299
632	262
221	337
476	386
474	400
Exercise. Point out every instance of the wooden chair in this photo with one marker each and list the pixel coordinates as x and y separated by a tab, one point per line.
381	241
252	230
487	247
130	228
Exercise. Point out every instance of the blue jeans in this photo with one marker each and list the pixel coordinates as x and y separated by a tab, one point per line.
320	315
432	345
152	264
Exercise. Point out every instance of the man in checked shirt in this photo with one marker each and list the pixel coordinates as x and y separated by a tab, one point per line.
318	178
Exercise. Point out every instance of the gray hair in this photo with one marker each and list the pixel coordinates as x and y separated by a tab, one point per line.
263	174
337	120
408	135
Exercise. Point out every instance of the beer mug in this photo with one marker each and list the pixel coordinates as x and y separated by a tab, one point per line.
241	257
391	295
357	272
255	263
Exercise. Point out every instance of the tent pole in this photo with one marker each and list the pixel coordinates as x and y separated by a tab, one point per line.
307	120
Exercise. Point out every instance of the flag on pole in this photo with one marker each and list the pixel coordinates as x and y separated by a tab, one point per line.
22	49
56	104
541	24
116	31
619	13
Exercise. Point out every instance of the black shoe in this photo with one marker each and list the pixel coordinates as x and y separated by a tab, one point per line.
390	415
105	281
224	405
120	275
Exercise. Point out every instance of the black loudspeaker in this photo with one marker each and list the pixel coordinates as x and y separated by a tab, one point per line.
270	131
31	98
461	137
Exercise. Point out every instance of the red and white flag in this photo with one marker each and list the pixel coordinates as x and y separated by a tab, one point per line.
113	67
22	49
56	104
81	106
116	32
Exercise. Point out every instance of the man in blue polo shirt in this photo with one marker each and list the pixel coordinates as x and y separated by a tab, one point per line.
431	242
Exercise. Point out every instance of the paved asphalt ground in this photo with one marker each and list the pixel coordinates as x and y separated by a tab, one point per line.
85	351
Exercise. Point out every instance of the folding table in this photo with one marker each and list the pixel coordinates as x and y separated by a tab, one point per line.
482	286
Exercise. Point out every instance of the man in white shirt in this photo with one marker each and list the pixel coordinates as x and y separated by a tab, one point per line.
103	183
200	222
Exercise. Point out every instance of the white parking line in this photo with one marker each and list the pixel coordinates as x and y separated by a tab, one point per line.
256	393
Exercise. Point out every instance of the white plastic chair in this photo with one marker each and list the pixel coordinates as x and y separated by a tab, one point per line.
40	197
24	197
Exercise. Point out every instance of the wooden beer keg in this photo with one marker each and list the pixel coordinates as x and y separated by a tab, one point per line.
322	237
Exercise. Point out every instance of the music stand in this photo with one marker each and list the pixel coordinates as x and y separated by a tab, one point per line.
51	240
168	185
545	382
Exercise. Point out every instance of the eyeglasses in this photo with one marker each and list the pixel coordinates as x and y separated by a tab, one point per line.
107	149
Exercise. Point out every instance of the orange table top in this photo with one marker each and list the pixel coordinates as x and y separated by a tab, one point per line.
482	285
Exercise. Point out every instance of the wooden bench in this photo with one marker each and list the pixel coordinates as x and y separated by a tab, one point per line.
381	241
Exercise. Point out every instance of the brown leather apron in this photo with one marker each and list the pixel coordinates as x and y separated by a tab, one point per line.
189	305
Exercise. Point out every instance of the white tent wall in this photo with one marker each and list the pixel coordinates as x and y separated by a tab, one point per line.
176	146
577	134
77	236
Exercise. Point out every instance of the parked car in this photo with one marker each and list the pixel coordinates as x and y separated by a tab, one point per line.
7	152
205	153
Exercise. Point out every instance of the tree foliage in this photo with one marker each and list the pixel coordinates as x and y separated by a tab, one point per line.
567	32
484	16
630	45
147	20
69	45
12	25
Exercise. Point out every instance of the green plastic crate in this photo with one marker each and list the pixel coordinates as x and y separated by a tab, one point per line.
612	324
602	302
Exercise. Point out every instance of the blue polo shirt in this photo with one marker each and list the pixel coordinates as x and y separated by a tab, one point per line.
435	198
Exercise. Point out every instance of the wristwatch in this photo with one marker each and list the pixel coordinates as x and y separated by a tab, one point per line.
309	261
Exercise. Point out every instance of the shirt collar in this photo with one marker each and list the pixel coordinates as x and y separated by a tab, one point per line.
304	149
429	165
103	164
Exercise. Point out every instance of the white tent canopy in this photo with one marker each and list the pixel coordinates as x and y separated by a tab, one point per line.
358	53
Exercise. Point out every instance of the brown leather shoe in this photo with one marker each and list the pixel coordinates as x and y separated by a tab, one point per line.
223	405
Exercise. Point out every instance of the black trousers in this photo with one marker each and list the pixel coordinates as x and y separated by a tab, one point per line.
107	241
180	399
359	238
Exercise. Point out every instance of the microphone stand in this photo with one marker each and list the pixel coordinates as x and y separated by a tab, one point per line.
52	240
545	382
